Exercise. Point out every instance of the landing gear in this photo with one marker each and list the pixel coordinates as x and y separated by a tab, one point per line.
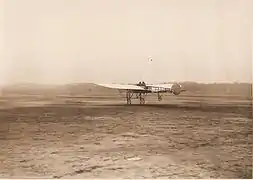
129	101
159	97
129	97
140	96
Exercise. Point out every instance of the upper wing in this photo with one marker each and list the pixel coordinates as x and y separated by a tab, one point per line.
122	86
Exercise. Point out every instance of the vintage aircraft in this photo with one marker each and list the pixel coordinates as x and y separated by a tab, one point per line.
142	89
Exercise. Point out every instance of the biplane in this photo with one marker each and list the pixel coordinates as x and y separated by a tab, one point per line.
141	90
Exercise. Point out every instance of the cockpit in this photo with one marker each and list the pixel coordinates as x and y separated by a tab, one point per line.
143	84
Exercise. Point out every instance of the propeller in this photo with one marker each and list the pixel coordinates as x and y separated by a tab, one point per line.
176	89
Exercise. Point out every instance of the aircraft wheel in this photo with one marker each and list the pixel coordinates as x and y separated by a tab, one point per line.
129	102
142	101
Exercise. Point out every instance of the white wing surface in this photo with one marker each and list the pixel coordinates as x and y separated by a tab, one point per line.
122	86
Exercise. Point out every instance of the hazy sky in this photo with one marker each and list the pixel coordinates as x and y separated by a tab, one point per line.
62	41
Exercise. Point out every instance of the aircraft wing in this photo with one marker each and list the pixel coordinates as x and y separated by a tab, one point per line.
122	86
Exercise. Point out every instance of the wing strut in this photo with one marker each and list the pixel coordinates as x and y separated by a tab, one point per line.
129	96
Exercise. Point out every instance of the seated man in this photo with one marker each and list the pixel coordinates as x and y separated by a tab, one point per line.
141	83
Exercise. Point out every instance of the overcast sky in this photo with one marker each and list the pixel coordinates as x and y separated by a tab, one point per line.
63	41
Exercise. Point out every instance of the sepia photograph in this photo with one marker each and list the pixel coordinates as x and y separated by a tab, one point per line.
138	89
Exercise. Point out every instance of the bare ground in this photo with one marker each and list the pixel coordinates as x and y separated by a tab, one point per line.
182	139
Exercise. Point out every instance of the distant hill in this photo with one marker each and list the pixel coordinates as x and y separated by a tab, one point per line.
84	89
31	89
53	90
236	89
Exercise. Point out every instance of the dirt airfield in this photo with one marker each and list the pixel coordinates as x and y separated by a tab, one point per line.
100	137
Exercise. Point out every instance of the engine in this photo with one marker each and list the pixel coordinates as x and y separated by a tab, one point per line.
176	89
